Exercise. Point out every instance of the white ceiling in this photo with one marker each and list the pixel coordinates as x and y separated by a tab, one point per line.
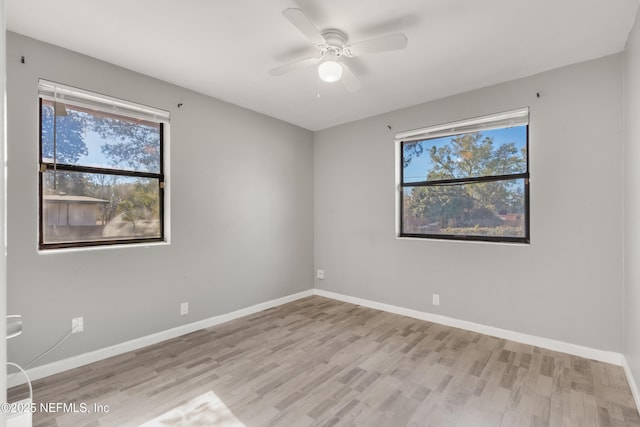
224	48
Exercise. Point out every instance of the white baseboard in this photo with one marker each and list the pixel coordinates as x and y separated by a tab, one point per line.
577	350
114	350
632	382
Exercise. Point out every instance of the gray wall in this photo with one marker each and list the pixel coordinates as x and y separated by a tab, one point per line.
632	202
565	285
241	187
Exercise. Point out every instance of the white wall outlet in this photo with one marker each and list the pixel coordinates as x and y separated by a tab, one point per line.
436	299
184	308
320	274
77	325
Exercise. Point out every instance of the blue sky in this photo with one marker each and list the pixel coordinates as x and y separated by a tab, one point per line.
94	157
421	165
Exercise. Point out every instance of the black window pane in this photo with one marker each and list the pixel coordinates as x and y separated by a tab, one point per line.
494	208
486	153
93	207
94	138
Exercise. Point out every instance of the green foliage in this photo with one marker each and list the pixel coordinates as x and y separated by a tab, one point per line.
444	203
502	230
140	203
473	155
134	145
66	183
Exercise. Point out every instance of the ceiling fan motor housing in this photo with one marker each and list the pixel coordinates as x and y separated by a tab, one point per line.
336	43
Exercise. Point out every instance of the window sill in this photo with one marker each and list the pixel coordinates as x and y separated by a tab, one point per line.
102	247
481	242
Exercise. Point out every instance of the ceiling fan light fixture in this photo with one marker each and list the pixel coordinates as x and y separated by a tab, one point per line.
330	71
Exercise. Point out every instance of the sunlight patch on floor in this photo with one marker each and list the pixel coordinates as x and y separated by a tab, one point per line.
204	410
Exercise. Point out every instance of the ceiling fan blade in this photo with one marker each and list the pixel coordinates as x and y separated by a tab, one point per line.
293	66
349	80
379	44
302	23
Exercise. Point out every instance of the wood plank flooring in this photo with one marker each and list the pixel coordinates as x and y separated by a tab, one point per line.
320	362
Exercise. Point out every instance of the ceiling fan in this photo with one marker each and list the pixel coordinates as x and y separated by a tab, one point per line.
333	46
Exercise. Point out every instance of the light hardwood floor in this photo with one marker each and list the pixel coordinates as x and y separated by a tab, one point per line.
321	362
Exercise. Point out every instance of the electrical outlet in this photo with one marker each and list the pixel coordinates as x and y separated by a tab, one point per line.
320	274
436	299
77	325
184	308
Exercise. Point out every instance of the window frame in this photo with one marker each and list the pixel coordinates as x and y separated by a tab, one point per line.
47	166
470	126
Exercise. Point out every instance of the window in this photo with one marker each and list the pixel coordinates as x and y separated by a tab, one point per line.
467	180
101	169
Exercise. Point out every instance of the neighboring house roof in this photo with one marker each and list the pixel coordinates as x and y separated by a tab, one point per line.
63	198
